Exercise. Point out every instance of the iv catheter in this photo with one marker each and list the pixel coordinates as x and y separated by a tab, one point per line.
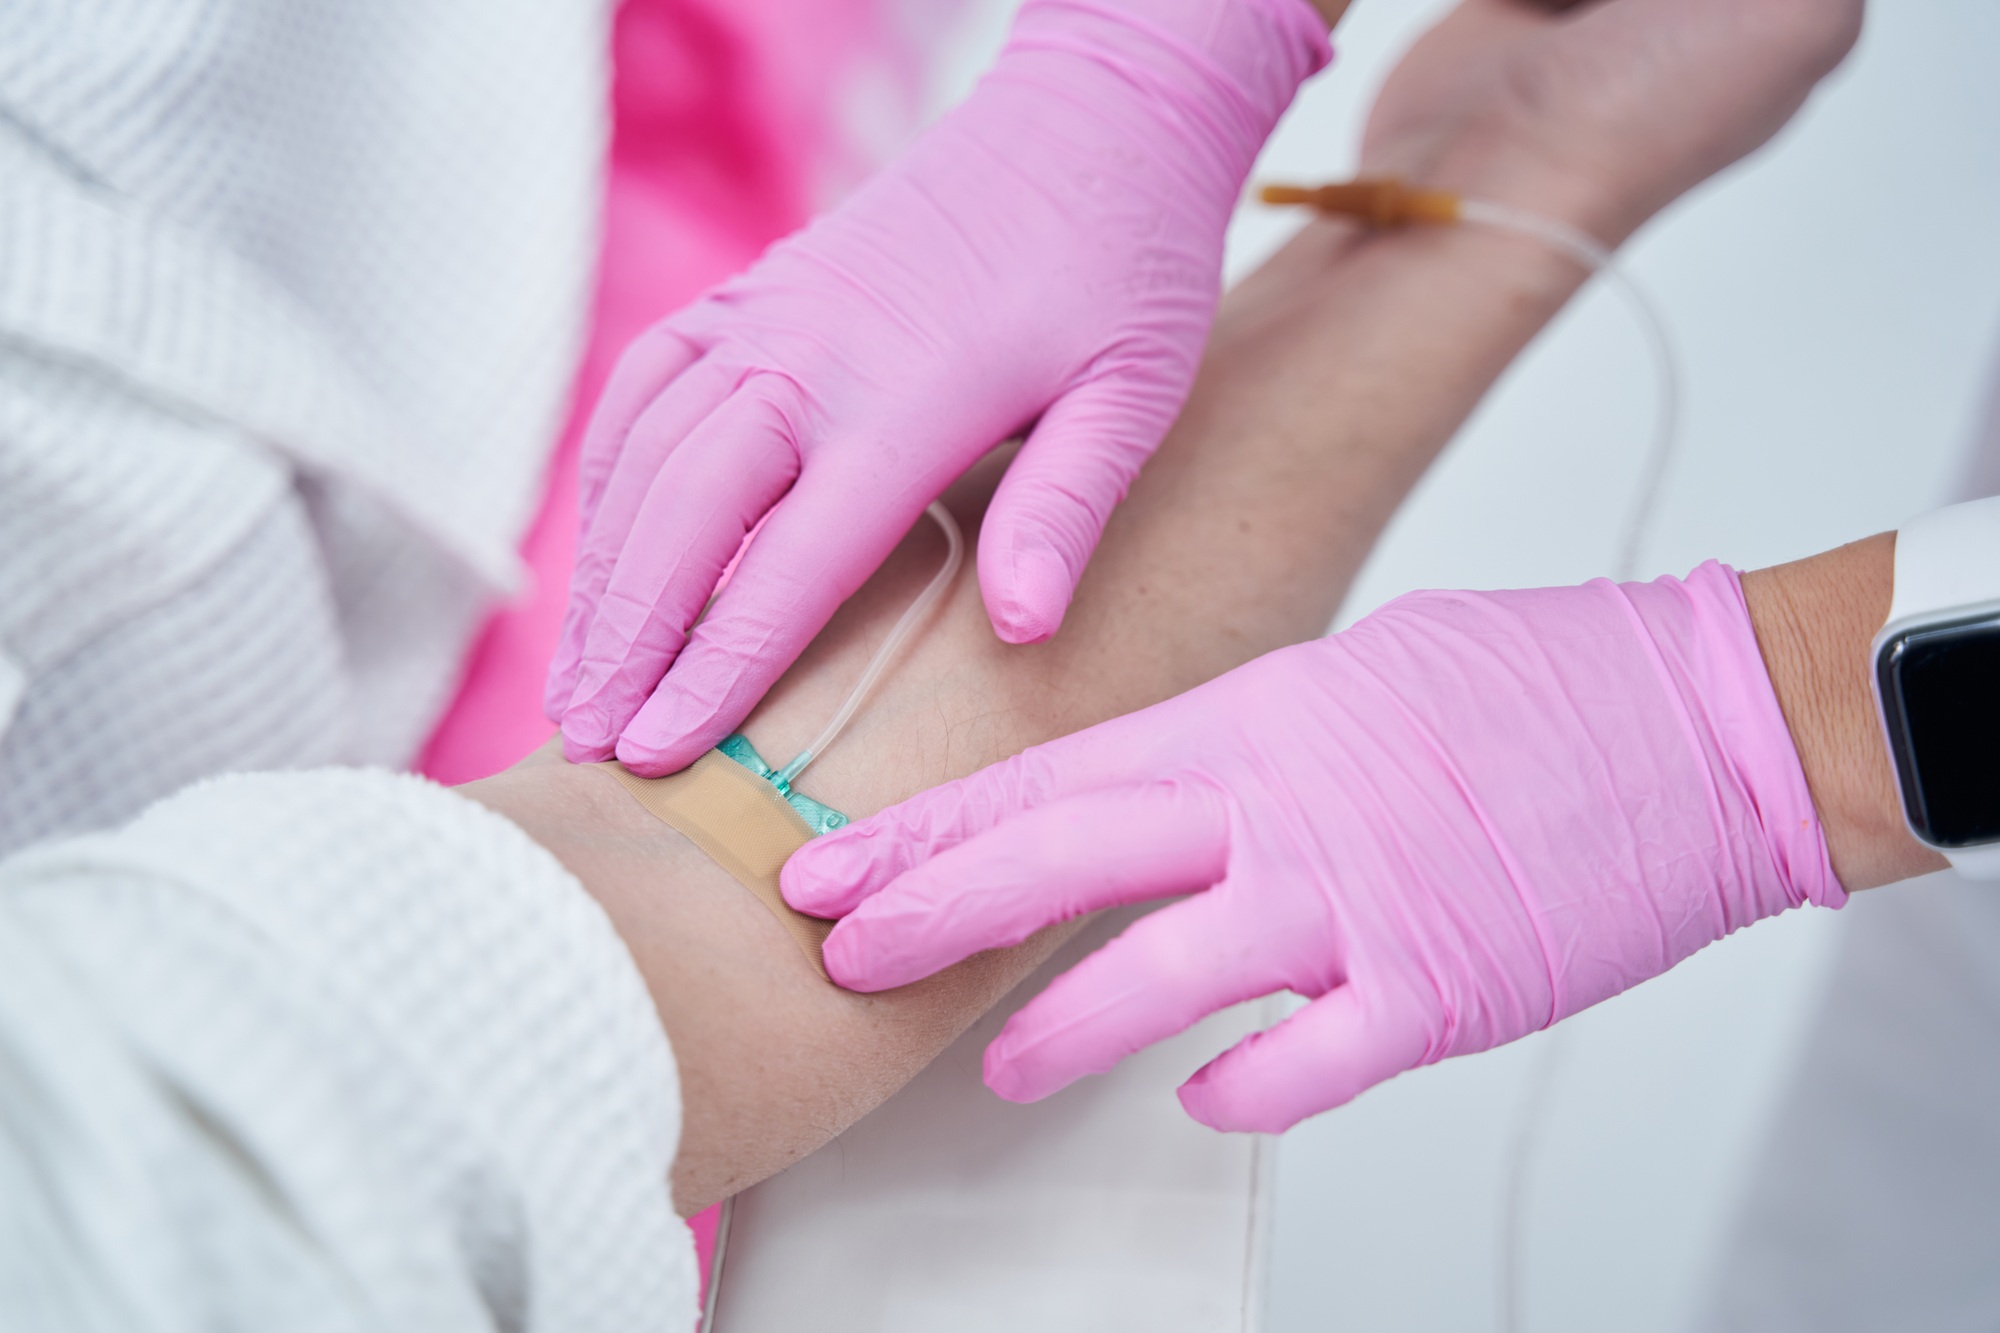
1387	203
819	817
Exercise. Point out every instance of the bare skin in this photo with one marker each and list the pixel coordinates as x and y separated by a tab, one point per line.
1815	619
1334	376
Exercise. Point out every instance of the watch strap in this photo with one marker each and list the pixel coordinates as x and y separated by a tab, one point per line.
1948	561
1973	862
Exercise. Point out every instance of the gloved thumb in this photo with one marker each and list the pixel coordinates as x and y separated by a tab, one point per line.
1051	507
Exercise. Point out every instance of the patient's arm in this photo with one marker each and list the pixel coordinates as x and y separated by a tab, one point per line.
1335	375
1333	378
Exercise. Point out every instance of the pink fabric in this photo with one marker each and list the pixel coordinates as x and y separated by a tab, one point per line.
1049	253
1465	818
724	133
725	129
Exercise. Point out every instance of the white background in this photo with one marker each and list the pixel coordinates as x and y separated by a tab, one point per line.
1836	301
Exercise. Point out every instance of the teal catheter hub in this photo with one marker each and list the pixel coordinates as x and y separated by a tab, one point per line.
819	818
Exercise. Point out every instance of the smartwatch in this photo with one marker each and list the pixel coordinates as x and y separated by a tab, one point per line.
1937	683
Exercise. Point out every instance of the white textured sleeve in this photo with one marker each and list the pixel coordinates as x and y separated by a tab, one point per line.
328	1050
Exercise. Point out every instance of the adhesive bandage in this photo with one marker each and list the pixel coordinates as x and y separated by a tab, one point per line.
744	825
745	814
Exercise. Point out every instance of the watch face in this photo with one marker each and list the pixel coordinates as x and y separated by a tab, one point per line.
1941	700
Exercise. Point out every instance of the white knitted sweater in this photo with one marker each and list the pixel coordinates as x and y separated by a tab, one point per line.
334	1050
291	293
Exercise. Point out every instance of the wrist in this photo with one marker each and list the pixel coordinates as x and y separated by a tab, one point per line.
1815	620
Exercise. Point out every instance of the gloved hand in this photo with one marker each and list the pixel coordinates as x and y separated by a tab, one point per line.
1466	817
1052	250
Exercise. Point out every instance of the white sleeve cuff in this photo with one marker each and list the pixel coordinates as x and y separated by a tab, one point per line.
341	1036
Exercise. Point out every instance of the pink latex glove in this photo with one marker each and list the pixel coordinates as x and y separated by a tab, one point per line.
1466	817
1052	249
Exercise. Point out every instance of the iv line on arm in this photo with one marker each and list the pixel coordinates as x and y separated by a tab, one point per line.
737	746
746	815
821	818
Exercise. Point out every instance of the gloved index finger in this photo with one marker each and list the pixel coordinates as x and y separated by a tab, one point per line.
818	546
707	495
1053	863
831	875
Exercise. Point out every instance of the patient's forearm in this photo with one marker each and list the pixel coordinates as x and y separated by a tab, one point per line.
1334	377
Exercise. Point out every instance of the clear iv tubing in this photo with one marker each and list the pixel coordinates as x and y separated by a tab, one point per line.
919	611
1533	1112
1387	202
1586	251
